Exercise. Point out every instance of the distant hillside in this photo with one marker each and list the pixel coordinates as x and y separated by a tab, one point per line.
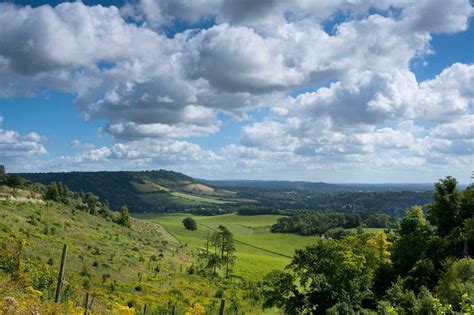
168	191
274	185
144	191
277	185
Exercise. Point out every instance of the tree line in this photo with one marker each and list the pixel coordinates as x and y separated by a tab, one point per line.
59	192
317	223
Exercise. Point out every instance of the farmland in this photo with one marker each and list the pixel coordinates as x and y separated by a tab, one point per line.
258	250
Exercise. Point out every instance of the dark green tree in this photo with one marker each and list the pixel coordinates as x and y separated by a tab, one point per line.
467	203
92	202
445	209
413	239
3	176
124	217
52	192
227	249
14	181
190	224
324	275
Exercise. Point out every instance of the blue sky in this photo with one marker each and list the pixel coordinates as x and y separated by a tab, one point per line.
376	93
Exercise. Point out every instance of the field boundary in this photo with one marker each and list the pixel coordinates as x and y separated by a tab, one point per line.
250	245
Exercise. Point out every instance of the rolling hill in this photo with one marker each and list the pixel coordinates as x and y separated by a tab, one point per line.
144	191
123	268
167	191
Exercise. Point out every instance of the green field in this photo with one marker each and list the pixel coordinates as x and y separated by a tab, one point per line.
258	250
368	230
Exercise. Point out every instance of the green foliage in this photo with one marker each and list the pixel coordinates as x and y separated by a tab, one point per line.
58	192
190	224
404	277
457	280
11	250
166	191
316	223
222	241
280	290
147	191
413	239
3	176
339	233
124	217
444	212
15	181
320	271
40	277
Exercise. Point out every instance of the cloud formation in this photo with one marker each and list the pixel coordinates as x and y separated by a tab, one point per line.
335	78
15	146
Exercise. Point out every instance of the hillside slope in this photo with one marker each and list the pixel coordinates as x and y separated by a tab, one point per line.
121	267
145	191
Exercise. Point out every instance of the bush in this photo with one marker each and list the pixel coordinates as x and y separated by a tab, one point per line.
190	224
219	293
87	284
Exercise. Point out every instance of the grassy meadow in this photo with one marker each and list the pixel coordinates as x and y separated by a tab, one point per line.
258	250
116	264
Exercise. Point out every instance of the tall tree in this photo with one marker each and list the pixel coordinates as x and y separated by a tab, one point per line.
124	218
467	203
2	174
445	209
413	239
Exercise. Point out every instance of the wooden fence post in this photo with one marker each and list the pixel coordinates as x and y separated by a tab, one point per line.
221	311
86	304
59	287
173	312
144	310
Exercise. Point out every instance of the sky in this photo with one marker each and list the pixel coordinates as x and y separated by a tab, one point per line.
358	91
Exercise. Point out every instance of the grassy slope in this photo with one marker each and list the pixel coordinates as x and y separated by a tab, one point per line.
149	191
156	193
123	253
253	258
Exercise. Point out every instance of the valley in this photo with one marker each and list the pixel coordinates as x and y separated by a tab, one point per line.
252	247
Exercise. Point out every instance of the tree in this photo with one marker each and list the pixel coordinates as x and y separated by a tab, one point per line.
124	218
190	224
14	181
457	281
467	203
328	273
227	248
413	239
2	174
279	290
58	192
92	201
445	209
52	192
223	242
